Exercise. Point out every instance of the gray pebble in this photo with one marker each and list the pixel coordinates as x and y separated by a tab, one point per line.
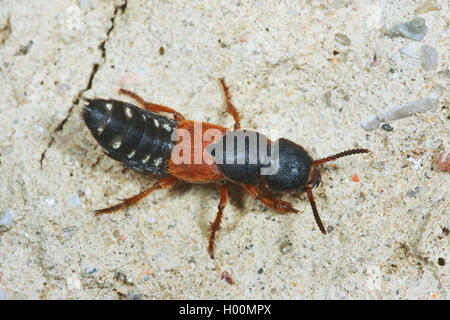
400	112
415	29
285	247
429	57
50	202
75	200
134	296
413	193
6	220
387	127
67	233
379	165
342	39
92	271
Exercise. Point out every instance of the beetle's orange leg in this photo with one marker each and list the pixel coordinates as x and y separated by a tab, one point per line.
279	205
152	106
230	107
161	184
216	223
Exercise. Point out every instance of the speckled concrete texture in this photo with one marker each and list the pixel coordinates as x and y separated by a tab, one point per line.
314	71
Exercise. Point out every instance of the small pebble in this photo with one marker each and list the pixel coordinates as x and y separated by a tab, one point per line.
417	163
427	6
342	39
227	277
429	57
285	247
400	112
380	165
443	161
23	50
413	193
120	276
415	29
387	127
73	283
6	220
355	178
75	200
67	233
134	296
50	202
92	271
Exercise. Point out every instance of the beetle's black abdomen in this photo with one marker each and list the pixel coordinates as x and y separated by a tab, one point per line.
244	154
138	138
294	167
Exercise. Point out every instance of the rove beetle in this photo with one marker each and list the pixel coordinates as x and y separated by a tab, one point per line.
144	140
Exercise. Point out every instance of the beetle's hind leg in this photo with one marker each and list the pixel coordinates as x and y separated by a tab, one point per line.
231	109
152	106
279	205
215	225
161	184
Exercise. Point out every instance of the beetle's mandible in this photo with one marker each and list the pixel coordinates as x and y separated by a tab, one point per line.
145	140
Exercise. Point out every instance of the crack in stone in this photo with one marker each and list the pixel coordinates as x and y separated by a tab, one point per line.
118	8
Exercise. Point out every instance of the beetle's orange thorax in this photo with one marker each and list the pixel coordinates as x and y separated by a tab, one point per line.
189	161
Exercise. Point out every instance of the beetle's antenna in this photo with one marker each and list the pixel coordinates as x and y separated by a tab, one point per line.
340	155
314	209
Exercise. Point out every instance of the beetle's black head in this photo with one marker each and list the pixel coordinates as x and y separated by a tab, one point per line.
299	172
295	169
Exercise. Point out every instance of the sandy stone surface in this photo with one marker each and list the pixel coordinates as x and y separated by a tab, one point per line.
287	71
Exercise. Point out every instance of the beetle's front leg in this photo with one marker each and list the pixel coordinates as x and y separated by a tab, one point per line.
279	205
231	109
215	225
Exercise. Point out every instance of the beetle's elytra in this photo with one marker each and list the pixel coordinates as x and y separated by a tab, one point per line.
201	152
